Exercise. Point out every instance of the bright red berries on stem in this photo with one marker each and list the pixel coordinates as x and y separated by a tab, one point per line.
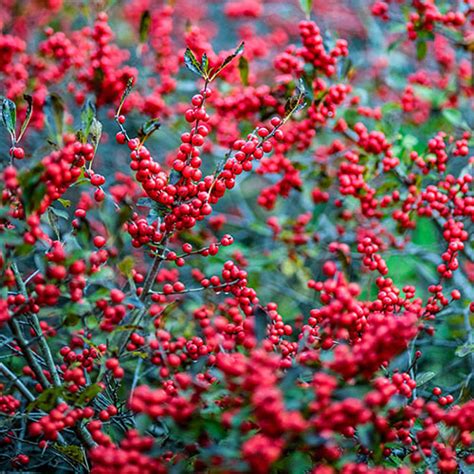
163	322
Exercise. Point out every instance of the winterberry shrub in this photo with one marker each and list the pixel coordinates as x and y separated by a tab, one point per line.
237	236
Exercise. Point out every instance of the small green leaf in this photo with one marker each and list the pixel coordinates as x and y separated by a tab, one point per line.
395	44
126	266
71	320
65	202
244	70
9	117
71	451
260	324
306	6
204	63
142	355
464	350
88	114
308	86
453	116
29	112
296	102
145	22
60	213
53	222
134	300
33	189
148	128
127	327
123	215
421	50
125	94
46	400
390	107
320	96
424	377
54	113
238	51
89	393
299	463
95	132
192	63
175	176
366	435
346	68
145	202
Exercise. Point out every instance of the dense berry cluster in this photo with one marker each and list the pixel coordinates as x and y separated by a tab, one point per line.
267	269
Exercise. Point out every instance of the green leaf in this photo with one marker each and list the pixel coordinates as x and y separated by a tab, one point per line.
424	377
346	68
425	233
192	63
366	435
142	355
89	393
260	324
72	320
123	215
125	94
29	112
308	86
395	44
145	22
435	96
306	6
88	114
126	265
464	350
60	213
95	132
46	400
148	128
296	102
9	117
421	50
291	376
204	63
299	463
127	327
54	113
32	188
453	116
390	107
71	451
65	202
21	250
244	70
238	51
175	176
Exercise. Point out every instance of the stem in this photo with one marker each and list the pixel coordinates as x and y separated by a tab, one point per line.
17	382
80	430
136	376
33	319
147	285
151	276
84	437
28	353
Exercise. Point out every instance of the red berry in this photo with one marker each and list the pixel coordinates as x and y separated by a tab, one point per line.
99	241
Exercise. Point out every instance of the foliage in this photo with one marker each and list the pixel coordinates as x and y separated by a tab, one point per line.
232	242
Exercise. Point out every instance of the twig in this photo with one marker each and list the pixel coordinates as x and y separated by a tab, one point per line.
27	353
17	382
33	319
